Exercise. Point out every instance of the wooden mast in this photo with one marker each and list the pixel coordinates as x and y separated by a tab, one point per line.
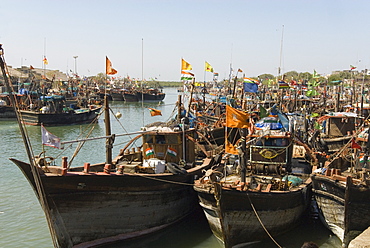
35	173
110	139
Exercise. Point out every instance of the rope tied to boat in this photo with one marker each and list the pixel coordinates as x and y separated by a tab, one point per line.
260	221
166	181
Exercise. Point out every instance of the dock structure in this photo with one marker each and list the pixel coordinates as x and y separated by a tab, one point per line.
362	240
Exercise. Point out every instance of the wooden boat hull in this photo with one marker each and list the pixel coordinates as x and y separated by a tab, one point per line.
150	97
130	97
344	209
54	119
7	112
90	209
117	96
234	222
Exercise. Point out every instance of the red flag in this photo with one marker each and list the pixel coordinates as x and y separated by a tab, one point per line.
355	145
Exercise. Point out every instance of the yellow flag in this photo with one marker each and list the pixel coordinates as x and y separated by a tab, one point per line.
208	67
236	118
108	67
185	65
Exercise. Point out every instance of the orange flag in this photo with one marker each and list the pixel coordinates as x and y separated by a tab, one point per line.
108	67
154	112
236	118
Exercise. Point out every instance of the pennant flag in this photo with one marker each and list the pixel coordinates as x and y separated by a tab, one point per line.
208	67
187	73
355	145
49	139
149	151
185	65
171	152
31	67
108	67
236	118
45	60
263	112
240	70
186	78
250	85
154	112
283	84
352	67
315	75
362	159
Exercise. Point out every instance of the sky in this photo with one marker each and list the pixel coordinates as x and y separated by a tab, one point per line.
147	39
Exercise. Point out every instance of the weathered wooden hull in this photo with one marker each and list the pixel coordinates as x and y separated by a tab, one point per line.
7	113
54	119
150	97
117	96
344	209
90	209
233	221
130	97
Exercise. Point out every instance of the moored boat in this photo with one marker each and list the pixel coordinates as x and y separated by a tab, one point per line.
139	192
343	202
258	196
53	111
150	95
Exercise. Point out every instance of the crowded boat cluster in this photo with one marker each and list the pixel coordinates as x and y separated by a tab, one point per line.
254	153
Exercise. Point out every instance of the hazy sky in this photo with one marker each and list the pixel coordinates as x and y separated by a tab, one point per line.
150	37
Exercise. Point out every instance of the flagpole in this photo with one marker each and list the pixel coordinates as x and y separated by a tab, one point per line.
142	78
205	72
281	50
44	62
236	77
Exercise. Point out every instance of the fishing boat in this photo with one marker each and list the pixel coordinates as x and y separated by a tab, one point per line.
130	96
117	94
53	110
343	201
6	110
256	193
151	94
141	191
341	186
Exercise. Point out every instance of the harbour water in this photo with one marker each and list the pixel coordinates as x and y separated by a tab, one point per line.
22	221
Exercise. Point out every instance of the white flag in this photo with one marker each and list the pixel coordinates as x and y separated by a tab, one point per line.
49	139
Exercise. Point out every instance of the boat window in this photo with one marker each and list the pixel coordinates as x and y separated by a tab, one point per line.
160	139
172	139
272	142
148	139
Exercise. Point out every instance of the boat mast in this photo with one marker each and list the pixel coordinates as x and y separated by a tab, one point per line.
110	139
35	173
